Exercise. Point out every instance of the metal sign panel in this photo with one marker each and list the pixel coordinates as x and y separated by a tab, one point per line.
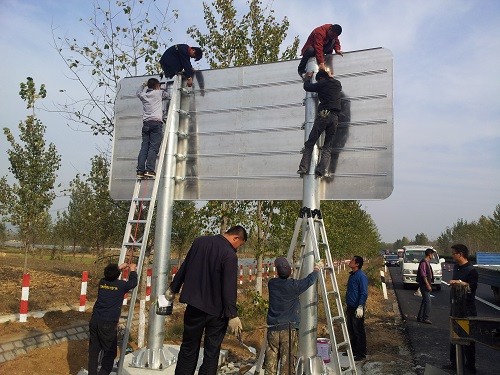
245	133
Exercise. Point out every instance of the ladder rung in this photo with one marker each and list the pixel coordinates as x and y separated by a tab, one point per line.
335	293
132	244
141	221
338	318
342	344
140	199
346	370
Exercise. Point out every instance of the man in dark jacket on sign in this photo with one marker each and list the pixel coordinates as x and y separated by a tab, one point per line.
208	277
284	315
329	91
175	60
104	321
322	40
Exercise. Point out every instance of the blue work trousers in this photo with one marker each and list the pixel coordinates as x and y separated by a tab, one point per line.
152	135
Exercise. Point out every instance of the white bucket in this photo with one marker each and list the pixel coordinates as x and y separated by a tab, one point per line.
323	347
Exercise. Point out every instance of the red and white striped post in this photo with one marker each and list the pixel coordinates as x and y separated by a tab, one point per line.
174	271
241	274
250	273
83	291
125	277
25	292
149	274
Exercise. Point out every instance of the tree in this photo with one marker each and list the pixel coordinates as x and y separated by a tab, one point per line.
186	226
400	243
128	37
254	39
351	230
105	218
421	239
34	166
74	219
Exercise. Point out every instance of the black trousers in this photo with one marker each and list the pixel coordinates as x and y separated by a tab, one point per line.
197	322
308	53
356	329
102	337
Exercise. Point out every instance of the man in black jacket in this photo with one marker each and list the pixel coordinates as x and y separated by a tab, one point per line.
328	89
208	277
104	321
176	60
466	275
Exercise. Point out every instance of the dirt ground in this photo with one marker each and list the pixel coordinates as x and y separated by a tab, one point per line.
57	283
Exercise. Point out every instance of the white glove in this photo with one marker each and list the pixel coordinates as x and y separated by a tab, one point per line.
235	326
162	301
359	312
169	295
319	265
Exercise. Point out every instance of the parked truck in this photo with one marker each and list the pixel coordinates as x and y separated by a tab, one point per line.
488	267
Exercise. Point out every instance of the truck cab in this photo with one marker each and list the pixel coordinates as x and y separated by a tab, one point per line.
409	261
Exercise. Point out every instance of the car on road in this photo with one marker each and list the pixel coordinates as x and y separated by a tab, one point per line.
391	260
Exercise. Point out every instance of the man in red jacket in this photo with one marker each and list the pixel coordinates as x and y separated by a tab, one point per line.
323	40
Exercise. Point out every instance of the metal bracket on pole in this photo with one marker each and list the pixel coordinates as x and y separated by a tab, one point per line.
184	91
184	113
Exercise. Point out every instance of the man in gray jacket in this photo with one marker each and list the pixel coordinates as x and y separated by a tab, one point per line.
283	317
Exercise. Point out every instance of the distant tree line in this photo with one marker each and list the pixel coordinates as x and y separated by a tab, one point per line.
480	235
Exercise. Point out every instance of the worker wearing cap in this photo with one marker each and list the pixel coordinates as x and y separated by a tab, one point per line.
322	40
176	60
283	316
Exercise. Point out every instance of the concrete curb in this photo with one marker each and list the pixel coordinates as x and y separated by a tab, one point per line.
12	349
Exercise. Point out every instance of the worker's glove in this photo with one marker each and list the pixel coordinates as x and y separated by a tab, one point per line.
319	265
235	326
169	295
163	301
359	312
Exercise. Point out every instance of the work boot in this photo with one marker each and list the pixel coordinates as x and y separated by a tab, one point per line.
305	162
324	163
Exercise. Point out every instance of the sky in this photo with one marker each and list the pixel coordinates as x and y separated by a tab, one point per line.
446	94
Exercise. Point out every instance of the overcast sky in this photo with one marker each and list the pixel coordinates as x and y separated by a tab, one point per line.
446	94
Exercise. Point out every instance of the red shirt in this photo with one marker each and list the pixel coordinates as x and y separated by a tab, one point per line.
321	43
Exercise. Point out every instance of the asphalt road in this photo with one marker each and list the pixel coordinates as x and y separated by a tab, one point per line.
431	342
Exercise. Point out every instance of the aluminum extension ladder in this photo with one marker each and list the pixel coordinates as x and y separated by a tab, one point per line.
307	221
141	210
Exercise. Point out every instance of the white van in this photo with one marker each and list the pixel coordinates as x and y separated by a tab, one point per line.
412	255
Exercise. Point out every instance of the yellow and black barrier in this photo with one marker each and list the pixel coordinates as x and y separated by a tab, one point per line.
475	329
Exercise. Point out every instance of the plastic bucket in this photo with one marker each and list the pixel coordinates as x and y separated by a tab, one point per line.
323	347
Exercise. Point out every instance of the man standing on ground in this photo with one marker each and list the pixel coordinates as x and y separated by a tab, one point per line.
104	321
208	277
356	295
175	60
329	91
322	40
283	317
425	277
464	274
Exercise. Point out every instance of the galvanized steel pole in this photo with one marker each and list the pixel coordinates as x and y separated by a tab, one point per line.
310	199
